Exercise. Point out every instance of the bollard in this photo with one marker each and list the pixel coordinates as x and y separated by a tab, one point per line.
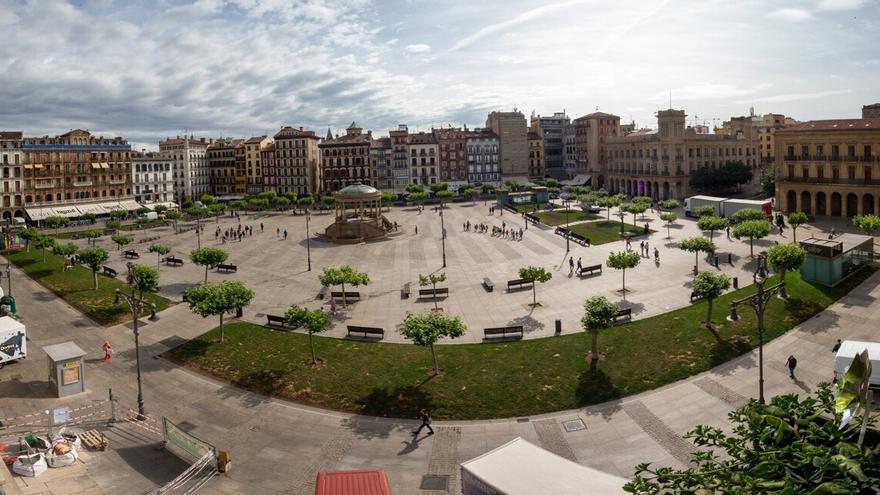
716	261
558	327
729	258
112	408
736	282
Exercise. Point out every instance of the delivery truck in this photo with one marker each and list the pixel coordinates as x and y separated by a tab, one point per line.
13	340
849	349
731	206
694	202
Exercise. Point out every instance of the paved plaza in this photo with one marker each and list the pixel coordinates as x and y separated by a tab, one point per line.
278	447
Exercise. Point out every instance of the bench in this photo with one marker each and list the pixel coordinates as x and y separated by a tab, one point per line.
503	332
404	292
434	292
348	295
589	270
488	285
520	283
583	241
367	331
627	313
275	320
323	292
109	271
171	260
131	254
226	268
696	297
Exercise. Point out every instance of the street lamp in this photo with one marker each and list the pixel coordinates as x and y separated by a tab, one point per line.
758	302
568	236
308	244
8	273
136	304
622	215
443	235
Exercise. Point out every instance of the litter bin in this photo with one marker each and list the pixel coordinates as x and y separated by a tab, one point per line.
66	368
736	282
558	327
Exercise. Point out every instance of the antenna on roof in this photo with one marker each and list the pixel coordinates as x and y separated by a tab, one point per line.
670	99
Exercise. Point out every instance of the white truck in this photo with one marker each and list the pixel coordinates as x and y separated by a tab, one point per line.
13	340
850	349
150	215
691	204
731	206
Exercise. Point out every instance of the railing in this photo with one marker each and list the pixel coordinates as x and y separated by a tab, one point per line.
116	181
45	185
817	180
82	183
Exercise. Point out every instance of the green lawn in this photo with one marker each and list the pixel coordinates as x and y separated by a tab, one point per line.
529	207
501	379
605	231
75	286
557	217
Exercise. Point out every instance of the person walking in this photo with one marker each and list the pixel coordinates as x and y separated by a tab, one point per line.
285	234
332	305
108	351
426	421
570	266
579	265
836	346
728	232
261	227
642	248
656	256
417	230
792	364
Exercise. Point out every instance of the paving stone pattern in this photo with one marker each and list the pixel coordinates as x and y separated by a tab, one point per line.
444	460
331	453
671	441
716	389
550	435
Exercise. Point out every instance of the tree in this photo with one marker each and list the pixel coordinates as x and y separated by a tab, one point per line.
218	299
56	222
160	250
669	218
268	195
198	212
216	209
487	189
121	240
669	204
439	186
608	202
89	217
280	202
469	192
143	210
789	446
209	257
91	235
328	201
208	200
314	321
705	211
258	203
343	275
443	195
752	229
28	234
599	313
785	258
708	286
747	214
768	185
796	219
535	274
305	202
415	188
160	209
237	204
113	224
647	200
712	223
174	216
724	178
636	208
418	197
94	258
697	245
551	183
118	215
622	261
425	329
67	250
432	279
868	223
388	198
44	243
144	279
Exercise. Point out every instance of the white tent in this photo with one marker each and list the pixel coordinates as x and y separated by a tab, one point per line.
521	468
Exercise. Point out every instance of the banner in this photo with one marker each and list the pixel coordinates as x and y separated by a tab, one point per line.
183	445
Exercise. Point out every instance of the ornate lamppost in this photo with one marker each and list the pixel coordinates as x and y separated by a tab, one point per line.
308	244
137	303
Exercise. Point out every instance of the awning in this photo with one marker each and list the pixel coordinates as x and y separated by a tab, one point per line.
91	208
37	214
105	165
577	180
168	205
66	211
38	165
125	204
28	165
96	165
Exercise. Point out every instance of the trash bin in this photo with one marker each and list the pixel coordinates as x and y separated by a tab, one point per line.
558	327
736	282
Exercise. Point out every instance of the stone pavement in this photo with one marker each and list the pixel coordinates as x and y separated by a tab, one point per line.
278	447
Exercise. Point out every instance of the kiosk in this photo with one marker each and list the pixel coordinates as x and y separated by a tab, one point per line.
66	370
831	260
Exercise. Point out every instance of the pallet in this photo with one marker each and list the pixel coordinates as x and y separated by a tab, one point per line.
94	440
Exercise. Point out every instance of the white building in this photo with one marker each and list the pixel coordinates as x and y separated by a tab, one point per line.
189	166
152	177
12	159
482	157
569	150
424	154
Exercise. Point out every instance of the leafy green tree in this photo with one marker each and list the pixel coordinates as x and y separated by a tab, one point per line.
708	286
143	210
622	261
670	219
418	197
705	211
121	240
314	321
789	446
160	209
752	229
425	329
56	222
218	299
388	198
343	275
712	223
443	195
216	209
237	204
209	257
647	200
305	202
144	279
487	189
66	250
432	279
535	274
785	258
291	196
118	215
44	243
747	214
551	183
174	216
599	313
258	203
268	195
415	188
160	250
669	204
768	185
92	235
208	200
796	219
634	208
469	192
281	202
187	204
328	201
113	224
868	223
89	217
697	245
439	186
94	258
28	234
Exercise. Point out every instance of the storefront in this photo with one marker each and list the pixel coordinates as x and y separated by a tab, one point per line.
831	260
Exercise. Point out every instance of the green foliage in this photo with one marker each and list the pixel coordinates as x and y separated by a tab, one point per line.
785	258
747	214
281	202
268	195
187	203
328	200
536	274
388	197
796	219
29	234
143	210
160	209
853	393
425	329
705	211
66	250
669	204
216	209
207	199
258	203
218	299
439	186
768	185
290	195
786	447
343	275
443	195
418	196
415	188
209	257
44	243
160	250
91	235
432	279
121	240
118	215
599	313
646	200
868	223
487	189
751	229
621	261
712	223
94	258
55	222
173	215
305	201
636	208
710	285
314	321
669	218
89	216
724	178
697	245
551	183
198	211
112	224
237	204
144	279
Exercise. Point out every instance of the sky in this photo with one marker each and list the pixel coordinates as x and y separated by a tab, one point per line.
147	70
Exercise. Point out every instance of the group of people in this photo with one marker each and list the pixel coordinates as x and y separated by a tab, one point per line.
234	234
502	232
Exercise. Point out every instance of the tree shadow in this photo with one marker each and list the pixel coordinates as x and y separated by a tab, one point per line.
369	427
634	307
528	323
246	398
725	350
14	388
401	402
190	350
595	387
819	323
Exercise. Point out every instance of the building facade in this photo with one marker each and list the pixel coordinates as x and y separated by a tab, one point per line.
659	163
592	132
345	160
483	151
552	130
510	127
152	177
424	153
191	176
296	162
253	149
400	170
871	111
536	156
380	160
569	139
829	167
12	159
221	166
453	156
269	168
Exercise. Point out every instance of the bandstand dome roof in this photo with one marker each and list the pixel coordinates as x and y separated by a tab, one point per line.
357	190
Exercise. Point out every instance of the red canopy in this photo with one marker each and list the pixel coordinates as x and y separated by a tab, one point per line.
355	482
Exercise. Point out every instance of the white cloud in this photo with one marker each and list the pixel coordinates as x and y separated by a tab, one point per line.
519	19
785	98
839	4
417	48
790	14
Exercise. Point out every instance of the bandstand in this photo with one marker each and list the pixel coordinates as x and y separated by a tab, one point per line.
358	215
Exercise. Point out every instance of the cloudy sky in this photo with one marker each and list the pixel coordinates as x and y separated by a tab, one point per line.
153	68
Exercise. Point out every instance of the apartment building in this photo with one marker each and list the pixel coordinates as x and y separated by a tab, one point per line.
453	156
829	167
253	148
569	153
221	166
536	155
152	177
296	162
424	153
510	127
552	129
269	168
190	166
483	151
12	159
871	111
345	159
381	162
592	132
400	170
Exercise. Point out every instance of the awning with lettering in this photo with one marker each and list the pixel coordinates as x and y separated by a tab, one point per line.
91	208
37	214
125	204
167	204
66	211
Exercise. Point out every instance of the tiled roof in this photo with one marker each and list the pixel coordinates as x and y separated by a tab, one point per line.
255	140
10	134
835	125
357	139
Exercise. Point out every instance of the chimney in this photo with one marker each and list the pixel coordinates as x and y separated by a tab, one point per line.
300	127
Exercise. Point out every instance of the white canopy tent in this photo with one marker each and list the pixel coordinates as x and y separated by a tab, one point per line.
521	468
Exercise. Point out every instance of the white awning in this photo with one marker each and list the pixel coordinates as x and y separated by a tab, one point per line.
167	204
126	204
37	214
521	468
577	180
66	211
91	208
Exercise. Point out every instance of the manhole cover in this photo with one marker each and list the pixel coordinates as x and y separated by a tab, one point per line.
260	315
173	341
574	425
522	420
434	482
141	324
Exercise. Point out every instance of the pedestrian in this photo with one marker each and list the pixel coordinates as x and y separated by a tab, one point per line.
579	264
278	232
108	351
792	364
647	248
728	232
642	248
656	256
261	227
332	305
285	234
570	266
836	346
834	379
426	421
417	230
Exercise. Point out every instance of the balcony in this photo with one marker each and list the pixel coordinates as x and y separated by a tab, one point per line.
44	185
82	183
816	180
679	172
116	181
